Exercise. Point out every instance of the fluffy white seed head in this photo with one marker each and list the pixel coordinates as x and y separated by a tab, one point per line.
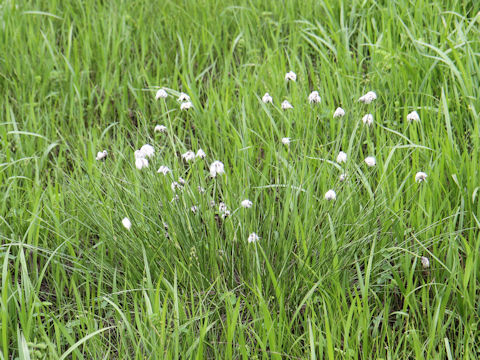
286	141
252	238
201	190
420	176
314	97
164	170
161	94
342	177
246	204
188	156
226	214
141	163
160	128
175	185
413	116
101	155
341	157
222	207
267	98
330	195
425	262
194	209
127	224
370	161
186	105
339	112
147	150
368	119
181	181
368	97
216	168
183	97
286	105
201	154
291	76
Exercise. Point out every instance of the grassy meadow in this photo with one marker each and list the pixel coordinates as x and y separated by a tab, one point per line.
389	269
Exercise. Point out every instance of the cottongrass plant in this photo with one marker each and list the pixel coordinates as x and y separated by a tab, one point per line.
344	278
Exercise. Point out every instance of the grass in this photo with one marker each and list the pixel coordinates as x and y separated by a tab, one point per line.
328	279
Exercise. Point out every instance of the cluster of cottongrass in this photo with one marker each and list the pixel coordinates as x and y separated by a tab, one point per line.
217	167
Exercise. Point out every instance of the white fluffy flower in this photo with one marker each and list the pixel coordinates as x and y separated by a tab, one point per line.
413	116
216	168
194	209
246	204
420	176
286	105
291	76
342	177
222	207
201	154
186	105
164	170
425	262
183	97
161	94
188	156
286	141
368	97
160	128
267	98
101	155
226	214
330	195
314	98
181	181
141	163
253	238
339	112
147	150
368	119
341	157
370	161
127	223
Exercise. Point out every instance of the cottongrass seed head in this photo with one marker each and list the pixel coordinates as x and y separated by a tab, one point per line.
339	112
370	161
368	119
140	163
186	105
183	97
286	141
290	76
368	97
216	168
314	97
201	154
267	98
164	170
246	204
341	157
342	177
330	195
425	262
127	224
160	129
253	238
161	94
413	116
286	105
188	156
420	177
147	150
101	155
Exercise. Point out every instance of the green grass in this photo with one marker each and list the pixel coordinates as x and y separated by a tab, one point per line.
328	279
